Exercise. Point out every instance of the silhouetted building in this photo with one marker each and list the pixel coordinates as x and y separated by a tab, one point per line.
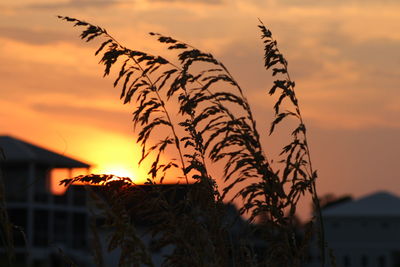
47	228
364	232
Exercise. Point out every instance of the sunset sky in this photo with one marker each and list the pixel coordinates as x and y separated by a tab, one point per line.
343	55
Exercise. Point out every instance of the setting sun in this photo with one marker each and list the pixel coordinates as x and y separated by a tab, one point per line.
118	170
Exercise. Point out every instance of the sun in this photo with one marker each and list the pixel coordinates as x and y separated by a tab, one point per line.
117	170
121	172
122	169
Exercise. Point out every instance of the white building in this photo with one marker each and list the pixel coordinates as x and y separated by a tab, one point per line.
364	232
47	228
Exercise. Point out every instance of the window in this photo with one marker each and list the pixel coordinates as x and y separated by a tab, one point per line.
60	227
385	225
40	228
41	192
60	193
364	261
79	231
16	177
61	199
18	217
335	224
381	261
346	261
79	195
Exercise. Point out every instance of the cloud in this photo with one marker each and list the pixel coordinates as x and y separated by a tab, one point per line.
35	36
109	119
209	2
89	4
318	3
75	4
340	85
77	111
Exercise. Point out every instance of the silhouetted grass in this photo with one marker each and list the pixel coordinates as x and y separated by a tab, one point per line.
214	124
7	240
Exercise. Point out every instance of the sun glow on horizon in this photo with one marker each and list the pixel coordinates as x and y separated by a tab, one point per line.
117	155
119	171
112	155
122	170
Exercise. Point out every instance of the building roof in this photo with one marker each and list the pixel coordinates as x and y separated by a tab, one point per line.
16	151
374	205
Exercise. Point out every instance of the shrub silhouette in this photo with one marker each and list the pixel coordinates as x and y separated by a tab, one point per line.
214	124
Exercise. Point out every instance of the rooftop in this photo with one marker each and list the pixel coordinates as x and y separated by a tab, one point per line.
16	151
374	205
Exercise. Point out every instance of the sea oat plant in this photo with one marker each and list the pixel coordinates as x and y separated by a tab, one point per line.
6	227
214	124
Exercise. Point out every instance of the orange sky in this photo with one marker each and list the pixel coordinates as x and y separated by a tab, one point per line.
343	55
